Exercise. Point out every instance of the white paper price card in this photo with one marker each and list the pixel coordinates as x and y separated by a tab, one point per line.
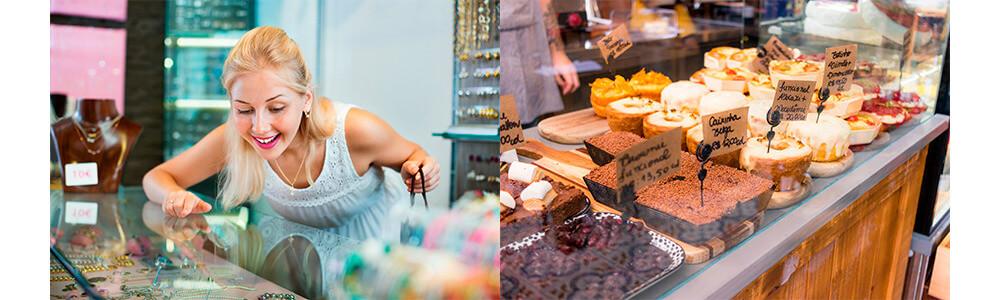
79	174
81	212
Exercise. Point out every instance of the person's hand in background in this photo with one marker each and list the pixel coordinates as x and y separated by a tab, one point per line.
566	76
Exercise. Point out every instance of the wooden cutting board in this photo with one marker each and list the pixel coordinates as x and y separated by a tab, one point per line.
570	167
573	127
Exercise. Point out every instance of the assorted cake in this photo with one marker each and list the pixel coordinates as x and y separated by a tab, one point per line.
718	57
649	84
760	87
661	121
757	119
829	138
603	91
841	104
696	134
683	95
604	148
721	101
727	79
742	59
864	128
784	160
627	114
795	70
526	192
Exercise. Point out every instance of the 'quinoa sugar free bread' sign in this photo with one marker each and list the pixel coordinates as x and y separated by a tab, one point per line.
510	124
615	43
838	71
650	160
792	98
774	49
725	131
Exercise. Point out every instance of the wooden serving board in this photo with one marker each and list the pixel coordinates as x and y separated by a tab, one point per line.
569	167
573	127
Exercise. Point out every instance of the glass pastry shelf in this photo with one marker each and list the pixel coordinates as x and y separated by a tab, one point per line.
482	133
782	230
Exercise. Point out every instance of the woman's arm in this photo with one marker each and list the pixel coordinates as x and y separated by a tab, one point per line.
372	141
166	184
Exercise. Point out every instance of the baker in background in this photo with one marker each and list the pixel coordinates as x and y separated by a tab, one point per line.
530	42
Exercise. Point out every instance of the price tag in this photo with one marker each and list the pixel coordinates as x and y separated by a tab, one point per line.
615	43
510	124
650	160
725	131
81	212
81	174
774	49
792	99
838	73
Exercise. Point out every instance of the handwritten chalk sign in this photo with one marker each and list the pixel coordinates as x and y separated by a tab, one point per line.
510	124
650	160
792	98
725	131
774	49
615	43
839	67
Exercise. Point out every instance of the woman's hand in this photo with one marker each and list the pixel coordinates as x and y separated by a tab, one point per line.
566	75
183	203
411	174
184	229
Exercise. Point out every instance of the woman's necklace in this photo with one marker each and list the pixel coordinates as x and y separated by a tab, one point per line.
291	184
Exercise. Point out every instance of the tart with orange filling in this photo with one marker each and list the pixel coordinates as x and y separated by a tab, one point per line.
864	128
728	79
661	121
760	87
742	59
699	76
795	70
716	58
603	91
649	84
841	104
627	114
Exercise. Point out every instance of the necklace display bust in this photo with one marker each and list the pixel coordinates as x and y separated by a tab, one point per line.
93	144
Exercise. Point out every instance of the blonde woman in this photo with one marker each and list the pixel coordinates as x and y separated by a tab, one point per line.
317	162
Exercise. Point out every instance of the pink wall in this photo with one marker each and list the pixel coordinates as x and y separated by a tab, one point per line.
88	62
103	9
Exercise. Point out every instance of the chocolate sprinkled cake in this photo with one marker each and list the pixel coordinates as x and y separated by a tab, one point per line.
604	148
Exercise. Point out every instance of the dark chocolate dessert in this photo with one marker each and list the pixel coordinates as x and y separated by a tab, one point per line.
594	256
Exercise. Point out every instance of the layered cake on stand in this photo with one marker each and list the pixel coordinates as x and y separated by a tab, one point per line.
683	95
785	163
830	141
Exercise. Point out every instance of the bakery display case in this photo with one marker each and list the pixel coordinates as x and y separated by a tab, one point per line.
475	99
826	194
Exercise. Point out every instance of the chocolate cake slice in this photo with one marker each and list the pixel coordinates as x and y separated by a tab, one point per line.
604	148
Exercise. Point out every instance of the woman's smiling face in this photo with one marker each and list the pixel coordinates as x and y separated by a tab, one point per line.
266	112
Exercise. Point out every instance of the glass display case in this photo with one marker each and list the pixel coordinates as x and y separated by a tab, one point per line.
475	124
128	249
796	205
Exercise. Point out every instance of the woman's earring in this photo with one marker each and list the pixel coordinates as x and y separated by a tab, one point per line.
308	114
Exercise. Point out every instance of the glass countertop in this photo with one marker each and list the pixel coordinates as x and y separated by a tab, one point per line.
116	239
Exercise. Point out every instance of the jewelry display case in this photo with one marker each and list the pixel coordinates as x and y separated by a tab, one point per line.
475	124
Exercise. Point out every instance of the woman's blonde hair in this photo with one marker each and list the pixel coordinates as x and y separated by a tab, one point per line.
265	48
